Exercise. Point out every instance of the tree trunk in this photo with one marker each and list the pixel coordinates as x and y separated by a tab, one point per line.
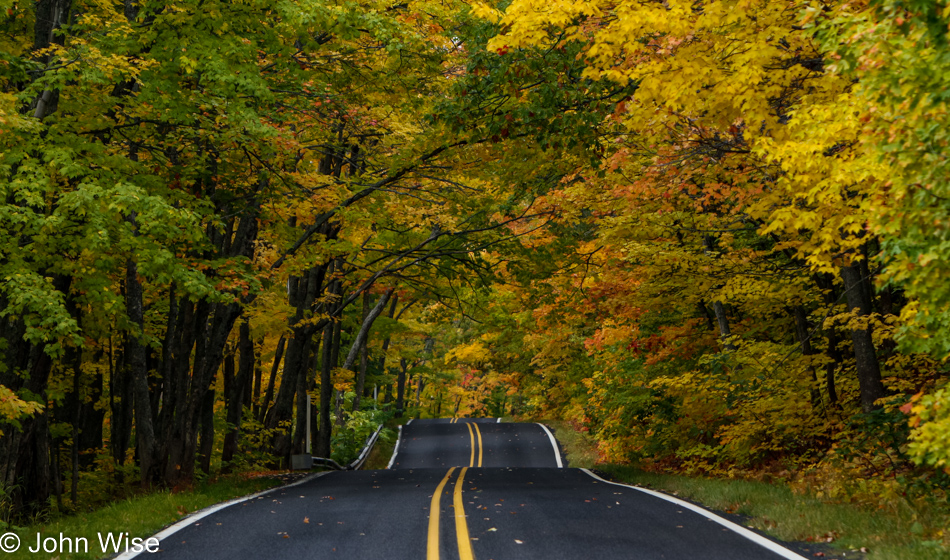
121	394
326	392
865	357
369	317
360	380
235	403
135	356
804	339
723	321
401	387
206	441
303	398
254	399
304	294
269	393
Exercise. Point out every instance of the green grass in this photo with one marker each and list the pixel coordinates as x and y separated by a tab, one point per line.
904	534
383	450
579	448
141	516
919	531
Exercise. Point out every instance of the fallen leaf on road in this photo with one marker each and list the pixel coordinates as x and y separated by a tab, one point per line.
493	529
519	542
306	520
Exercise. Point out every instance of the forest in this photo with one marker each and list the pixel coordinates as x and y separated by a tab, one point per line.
711	234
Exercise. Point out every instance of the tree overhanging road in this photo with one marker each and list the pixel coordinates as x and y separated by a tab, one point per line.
466	489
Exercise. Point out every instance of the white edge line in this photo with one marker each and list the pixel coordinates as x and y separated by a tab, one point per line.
752	536
395	450
202	513
410	421
499	421
557	453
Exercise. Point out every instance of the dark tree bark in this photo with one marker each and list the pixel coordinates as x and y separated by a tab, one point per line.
865	357
24	452
75	411
304	294
359	344
401	387
121	395
206	439
723	321
826	284
303	399
326	393
254	388
704	311
360	381
135	352
92	420
804	339
269	393
235	402
211	332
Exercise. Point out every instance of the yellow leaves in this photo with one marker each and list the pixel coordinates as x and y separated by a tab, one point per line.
474	353
930	418
486	12
13	407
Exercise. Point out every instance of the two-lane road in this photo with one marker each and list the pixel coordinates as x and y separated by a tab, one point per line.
474	443
465	489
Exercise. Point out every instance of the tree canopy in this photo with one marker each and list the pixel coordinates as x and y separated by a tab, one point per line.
710	234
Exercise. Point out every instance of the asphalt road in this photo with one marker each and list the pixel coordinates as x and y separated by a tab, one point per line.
464	489
474	442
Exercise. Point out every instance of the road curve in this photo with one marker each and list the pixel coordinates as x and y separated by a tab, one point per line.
437	503
469	443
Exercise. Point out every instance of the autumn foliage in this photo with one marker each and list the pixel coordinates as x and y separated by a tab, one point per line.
711	234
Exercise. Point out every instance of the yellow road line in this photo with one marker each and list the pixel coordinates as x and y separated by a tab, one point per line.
432	549
479	432
461	525
471	437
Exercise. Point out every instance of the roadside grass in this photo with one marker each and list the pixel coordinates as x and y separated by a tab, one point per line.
383	450
579	448
139	516
908	531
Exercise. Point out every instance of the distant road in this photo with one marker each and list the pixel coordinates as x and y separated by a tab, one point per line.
465	489
474	443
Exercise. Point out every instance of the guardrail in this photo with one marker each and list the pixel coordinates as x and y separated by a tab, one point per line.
358	462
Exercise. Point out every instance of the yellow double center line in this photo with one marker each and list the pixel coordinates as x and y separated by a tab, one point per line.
471	435
461	524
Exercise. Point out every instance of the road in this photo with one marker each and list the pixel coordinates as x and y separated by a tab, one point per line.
464	489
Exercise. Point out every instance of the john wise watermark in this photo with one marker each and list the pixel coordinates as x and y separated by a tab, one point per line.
104	543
